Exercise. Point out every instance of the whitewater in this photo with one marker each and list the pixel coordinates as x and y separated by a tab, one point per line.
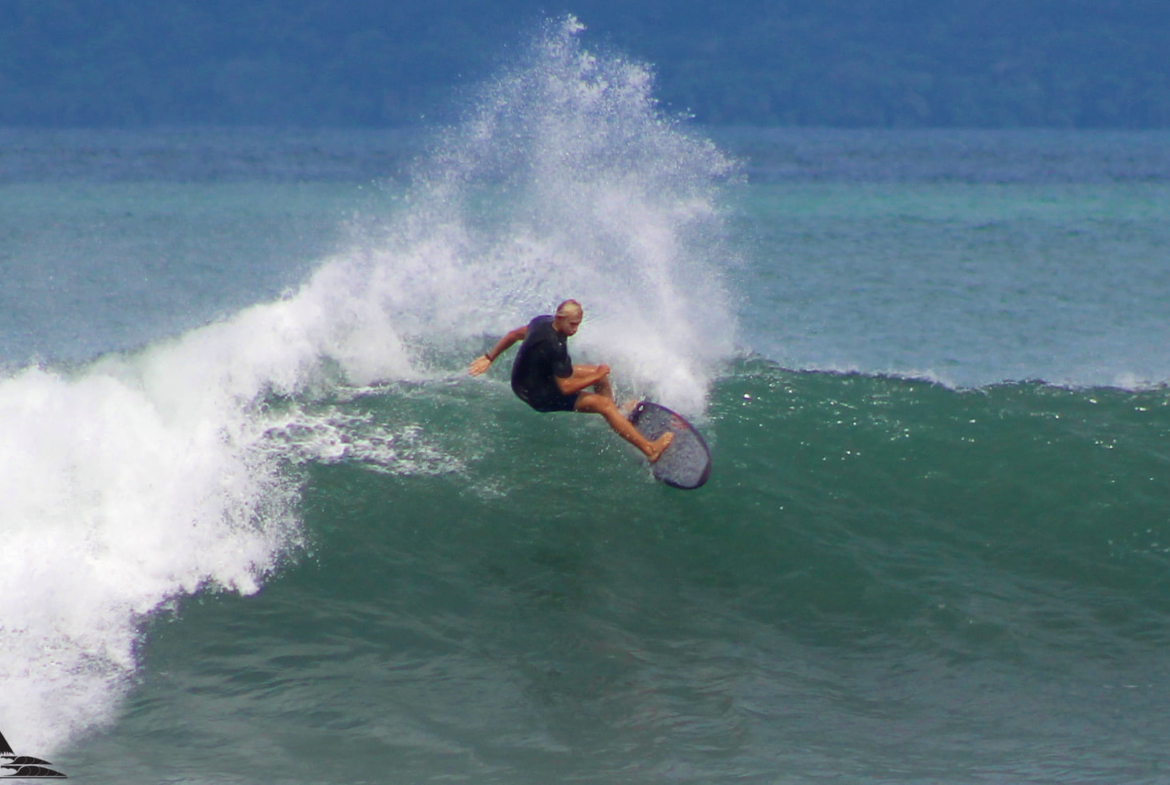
259	524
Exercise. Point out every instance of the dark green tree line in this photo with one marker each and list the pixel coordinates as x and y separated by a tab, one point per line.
851	63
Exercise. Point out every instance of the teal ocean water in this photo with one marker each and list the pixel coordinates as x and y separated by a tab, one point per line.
260	526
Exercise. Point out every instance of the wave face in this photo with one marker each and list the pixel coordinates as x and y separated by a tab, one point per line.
884	578
1038	506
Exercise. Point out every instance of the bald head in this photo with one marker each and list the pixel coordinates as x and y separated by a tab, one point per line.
571	309
568	317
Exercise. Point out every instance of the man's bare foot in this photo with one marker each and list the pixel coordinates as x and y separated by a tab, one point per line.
627	408
659	445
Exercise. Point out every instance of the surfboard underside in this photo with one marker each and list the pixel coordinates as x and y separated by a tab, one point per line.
686	463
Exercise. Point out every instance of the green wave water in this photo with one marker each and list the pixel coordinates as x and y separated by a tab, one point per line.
884	578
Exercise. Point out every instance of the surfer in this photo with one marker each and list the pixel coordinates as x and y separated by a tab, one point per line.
544	377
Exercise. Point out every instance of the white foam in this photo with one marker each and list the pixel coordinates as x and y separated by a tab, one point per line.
330	435
112	505
142	478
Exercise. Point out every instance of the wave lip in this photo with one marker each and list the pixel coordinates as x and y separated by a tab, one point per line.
125	485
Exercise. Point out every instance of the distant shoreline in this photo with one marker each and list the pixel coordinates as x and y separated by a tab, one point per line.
776	154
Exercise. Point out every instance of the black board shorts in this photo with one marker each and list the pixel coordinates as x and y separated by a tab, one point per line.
549	403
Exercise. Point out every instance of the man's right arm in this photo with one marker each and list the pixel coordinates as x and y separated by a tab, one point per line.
584	376
484	361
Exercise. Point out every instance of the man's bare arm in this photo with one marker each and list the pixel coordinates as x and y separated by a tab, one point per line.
584	376
484	361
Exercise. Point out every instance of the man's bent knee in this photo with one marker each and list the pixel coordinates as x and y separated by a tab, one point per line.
593	403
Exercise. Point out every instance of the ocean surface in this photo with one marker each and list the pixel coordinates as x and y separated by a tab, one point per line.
259	526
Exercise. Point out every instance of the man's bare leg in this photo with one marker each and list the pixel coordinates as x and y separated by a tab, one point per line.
600	404
627	408
604	387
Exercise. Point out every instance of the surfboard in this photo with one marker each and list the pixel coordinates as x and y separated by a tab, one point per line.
686	463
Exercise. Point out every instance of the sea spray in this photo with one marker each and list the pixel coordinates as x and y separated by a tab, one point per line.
566	180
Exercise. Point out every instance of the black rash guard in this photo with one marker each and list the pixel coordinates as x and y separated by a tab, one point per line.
543	358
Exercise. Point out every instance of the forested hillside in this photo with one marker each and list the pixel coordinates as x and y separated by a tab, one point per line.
847	63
